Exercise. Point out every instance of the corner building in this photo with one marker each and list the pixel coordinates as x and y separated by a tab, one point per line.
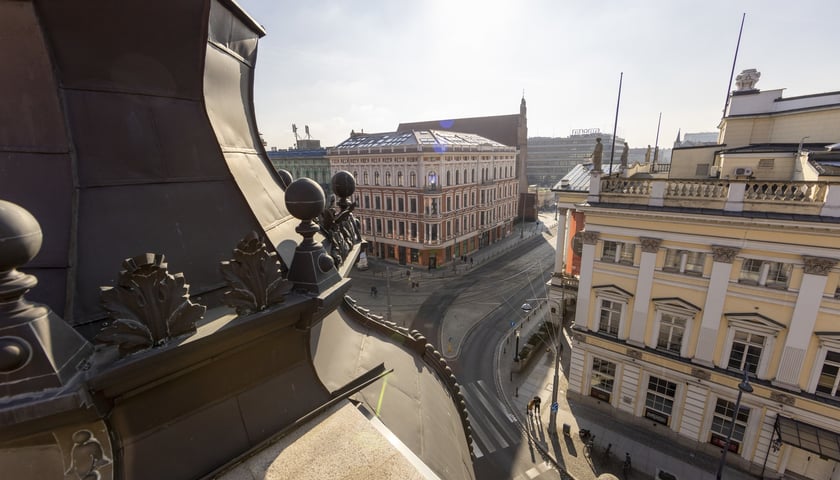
428	197
687	282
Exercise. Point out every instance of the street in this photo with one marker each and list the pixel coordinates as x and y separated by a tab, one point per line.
501	447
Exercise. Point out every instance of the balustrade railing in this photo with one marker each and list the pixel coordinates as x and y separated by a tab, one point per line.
626	186
805	192
696	189
717	194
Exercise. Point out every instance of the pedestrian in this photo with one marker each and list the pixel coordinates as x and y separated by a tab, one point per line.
537	402
373	291
471	261
530	407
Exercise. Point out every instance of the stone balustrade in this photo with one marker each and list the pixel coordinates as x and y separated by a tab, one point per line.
792	197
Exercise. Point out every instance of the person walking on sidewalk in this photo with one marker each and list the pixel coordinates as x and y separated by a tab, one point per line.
530	407
537	402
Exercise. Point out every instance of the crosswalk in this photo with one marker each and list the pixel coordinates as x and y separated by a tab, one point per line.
492	424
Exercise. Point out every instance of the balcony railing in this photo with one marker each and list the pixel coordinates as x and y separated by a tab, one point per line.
793	197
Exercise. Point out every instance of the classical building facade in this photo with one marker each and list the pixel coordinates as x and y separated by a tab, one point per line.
425	197
308	160
687	283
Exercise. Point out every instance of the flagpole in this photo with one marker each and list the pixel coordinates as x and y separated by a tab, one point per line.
656	145
734	59
615	125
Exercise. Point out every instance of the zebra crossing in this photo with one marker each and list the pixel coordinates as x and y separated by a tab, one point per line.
493	426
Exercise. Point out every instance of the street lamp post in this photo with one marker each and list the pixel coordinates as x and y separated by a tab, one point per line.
744	386
516	352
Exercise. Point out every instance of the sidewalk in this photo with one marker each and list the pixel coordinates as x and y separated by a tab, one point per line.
649	451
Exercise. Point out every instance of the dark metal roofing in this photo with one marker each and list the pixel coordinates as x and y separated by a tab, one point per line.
501	128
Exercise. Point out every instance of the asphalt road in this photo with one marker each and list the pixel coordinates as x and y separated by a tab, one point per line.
509	280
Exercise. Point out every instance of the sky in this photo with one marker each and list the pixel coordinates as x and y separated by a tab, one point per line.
369	65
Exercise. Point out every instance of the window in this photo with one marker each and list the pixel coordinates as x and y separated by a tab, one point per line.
412	179
367	201
829	375
749	335
701	170
389	203
765	273
682	261
365	178
400	204
671	331
389	224
432	180
746	351
618	252
603	378
610	317
722	423
388	179
399	179
412	205
377	203
376	178
659	402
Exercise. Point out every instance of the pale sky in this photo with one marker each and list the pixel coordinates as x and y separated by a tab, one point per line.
370	65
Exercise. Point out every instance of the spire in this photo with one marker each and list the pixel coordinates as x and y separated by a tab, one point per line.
677	142
522	107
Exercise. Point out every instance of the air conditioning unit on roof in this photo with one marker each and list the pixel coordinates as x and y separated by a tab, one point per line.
743	172
714	171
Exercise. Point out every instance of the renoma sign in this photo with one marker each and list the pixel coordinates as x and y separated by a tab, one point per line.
585	131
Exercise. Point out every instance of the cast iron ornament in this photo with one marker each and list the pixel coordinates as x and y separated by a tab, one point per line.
148	306
256	277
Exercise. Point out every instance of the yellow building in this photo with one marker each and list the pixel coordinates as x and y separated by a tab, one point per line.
728	265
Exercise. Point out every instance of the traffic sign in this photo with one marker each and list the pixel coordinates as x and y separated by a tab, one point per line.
554	407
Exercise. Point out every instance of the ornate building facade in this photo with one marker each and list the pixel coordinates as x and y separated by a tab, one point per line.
687	283
426	197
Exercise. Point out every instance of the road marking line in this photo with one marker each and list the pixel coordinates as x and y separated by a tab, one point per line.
476	451
477	394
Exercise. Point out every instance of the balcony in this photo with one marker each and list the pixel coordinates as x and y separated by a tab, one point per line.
751	196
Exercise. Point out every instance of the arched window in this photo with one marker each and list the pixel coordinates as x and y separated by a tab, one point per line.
388	179
376	178
473	175
433	179
399	179
365	178
412	179
457	177
448	178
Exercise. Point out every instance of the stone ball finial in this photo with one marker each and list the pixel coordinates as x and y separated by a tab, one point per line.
20	236
343	183
285	179
305	199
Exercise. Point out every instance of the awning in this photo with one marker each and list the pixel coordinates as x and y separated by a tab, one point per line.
817	440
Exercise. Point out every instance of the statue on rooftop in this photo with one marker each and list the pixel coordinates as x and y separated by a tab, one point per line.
647	155
596	155
624	154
